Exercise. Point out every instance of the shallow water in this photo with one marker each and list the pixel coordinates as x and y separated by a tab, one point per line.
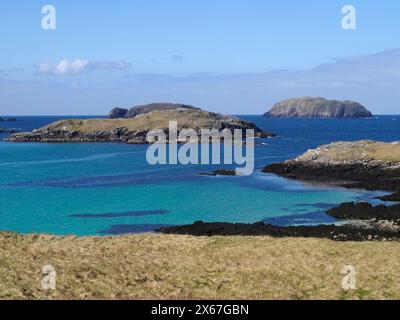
108	188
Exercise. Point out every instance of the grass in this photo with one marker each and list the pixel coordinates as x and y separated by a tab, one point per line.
195	119
360	151
182	267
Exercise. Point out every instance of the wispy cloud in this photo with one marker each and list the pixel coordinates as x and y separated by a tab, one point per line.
178	57
373	80
382	64
78	66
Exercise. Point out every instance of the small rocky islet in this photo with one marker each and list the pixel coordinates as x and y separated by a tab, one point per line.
8	119
317	107
132	125
8	130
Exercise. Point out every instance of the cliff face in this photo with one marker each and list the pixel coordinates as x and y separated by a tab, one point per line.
135	111
308	107
133	130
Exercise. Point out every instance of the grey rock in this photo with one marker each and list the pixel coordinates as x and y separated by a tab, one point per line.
135	111
118	113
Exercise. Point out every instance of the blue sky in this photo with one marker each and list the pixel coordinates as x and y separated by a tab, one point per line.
220	55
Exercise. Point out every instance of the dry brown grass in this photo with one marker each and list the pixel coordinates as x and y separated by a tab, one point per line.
355	151
183	267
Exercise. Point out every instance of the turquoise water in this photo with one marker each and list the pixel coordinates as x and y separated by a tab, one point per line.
108	188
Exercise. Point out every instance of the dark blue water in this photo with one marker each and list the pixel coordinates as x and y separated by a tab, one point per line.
109	188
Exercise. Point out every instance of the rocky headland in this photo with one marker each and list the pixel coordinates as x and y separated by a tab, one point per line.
134	129
370	165
310	107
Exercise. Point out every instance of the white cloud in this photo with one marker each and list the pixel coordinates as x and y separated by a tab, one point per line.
78	66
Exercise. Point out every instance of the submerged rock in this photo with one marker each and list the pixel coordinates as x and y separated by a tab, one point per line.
220	172
309	107
9	130
118	113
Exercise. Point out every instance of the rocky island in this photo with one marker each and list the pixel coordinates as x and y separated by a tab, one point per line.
132	126
309	107
363	164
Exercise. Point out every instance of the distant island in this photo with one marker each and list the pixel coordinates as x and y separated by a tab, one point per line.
310	107
137	110
9	119
8	130
131	126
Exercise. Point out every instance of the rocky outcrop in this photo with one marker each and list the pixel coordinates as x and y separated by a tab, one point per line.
364	164
219	172
365	211
135	111
394	197
118	113
134	130
348	232
309	107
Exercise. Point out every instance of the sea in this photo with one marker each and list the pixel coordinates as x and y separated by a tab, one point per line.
96	189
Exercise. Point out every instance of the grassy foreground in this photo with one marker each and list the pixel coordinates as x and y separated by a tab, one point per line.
181	267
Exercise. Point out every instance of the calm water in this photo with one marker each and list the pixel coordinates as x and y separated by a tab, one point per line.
108	188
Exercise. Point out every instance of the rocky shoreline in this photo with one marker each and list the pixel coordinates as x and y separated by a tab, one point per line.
363	164
361	222
347	232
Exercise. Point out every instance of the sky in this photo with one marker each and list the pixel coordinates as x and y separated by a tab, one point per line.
233	57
